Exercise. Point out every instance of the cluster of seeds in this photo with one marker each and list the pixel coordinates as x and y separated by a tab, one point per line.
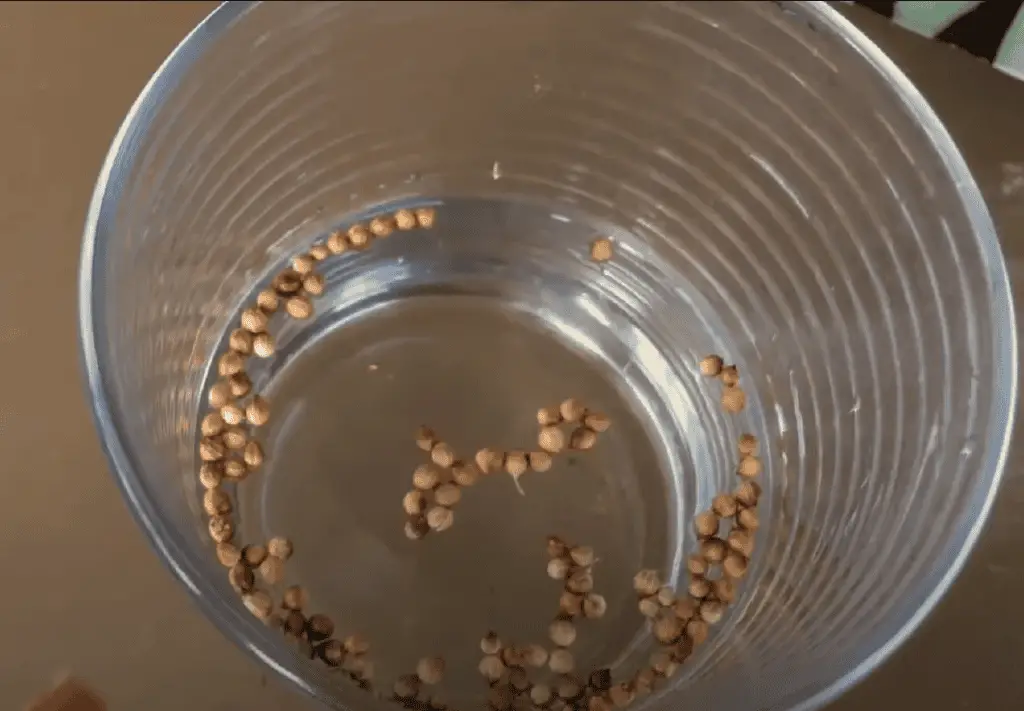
230	451
437	485
419	691
733	397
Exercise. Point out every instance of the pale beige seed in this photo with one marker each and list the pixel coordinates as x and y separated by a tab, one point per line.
406	687
442	454
711	366
491	667
724	505
539	461
211	449
216	502
490	643
562	633
558	568
583	438
742	542
712	611
299	307
518	680
487	460
319	251
548	416
730	376
359	237
594	606
464	474
685	608
382	226
699	587
582	555
667	629
647	582
597	421
241	577
280	547
697	631
747	445
749	467
287	282
253	455
416	528
219	395
724	590
405	220
235	470
425	217
662	664
211	474
257	412
240	341
734	565
561	661
580	581
440	518
414	502
569	688
295	598
572	410
212	425
254	554
556	547
571	604
666	596
228	554
601	250
254	320
268	301
425	477
303	264
649	607
621	695
234	438
705	524
516	463
232	414
221	529
541	695
356	644
551	439
272	569
643	681
314	284
714	550
748	519
447	495
734	400
230	363
697	564
263	345
748	493
337	242
259	604
430	670
240	384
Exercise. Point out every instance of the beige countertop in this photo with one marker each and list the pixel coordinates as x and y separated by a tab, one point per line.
84	591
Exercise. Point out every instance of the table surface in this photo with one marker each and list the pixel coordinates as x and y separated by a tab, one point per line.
84	591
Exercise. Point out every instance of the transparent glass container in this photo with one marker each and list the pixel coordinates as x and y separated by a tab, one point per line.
777	192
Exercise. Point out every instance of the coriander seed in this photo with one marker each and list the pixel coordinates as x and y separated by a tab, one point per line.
254	555
487	460
558	568
268	301
569	603
232	414
425	477
582	438
561	661
359	237
331	652
216	502
685	608
405	219
568	688
749	467
571	410
539	461
649	607
598	703
667	629
212	425
582	555
662	664
549	416
621	695
442	454
500	697
748	519
742	542
601	250
643	681
724	589
699	587
211	449
712	611
724	506
594	606
666	596
254	320
562	633
518	679
556	547
382	226
600	680
697	631
425	217
257	412
711	366
730	376
647	582
319	627
541	695
747	445
734	400
440	518
490	643
228	554
414	502
240	341
734	565
280	547
516	463
705	524
416	528
447	495
234	438
235	469
295	598
287	282
210	475
272	569
714	550
259	604
253	454
551	439
512	656
355	644
406	687
230	364
597	421
299	307
747	493
314	284
219	395
464	474
580	581
241	577
337	243
682	649
303	264
697	564
263	345
319	252
239	384
491	667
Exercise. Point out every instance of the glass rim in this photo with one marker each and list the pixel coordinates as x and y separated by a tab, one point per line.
233	622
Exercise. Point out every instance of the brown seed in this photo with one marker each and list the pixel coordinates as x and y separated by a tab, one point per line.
221	528
582	438
299	307
667	629
558	568
257	412
548	416
539	461
414	502
268	301
643	682
212	425
724	589
571	410
662	664
600	680
561	661
487	460
295	598
748	493
416	528
734	400
714	549
512	656
705	524
490	643
569	688
280	547
682	649
500	697
425	217
406	687
621	695
712	611
216	502
440	518
241	577
337	243
601	250
254	320
211	475
232	414
359	237
582	555
263	345
314	284
556	547
430	670
287	282
647	583
447	495
748	519
730	376
697	631
562	633
228	554
253	455
319	251
649	607
571	604
747	445
331	652
259	604
724	506
355	644
534	655
405	219
580	581
597	421
235	469
734	565
594	606
239	384
742	542
442	454
234	438
516	463
541	695
551	439
518	680
464	474
711	366
666	596
240	341
272	569
219	395
491	667
697	564
749	467
211	449
699	587
254	555
425	477
230	363
382	226
685	608
303	264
